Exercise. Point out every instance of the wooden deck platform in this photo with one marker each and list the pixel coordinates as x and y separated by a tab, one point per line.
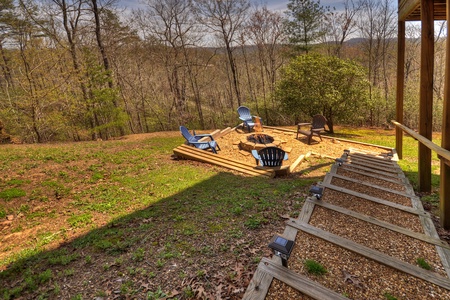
365	173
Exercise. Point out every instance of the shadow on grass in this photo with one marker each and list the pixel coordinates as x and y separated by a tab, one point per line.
206	237
316	167
413	178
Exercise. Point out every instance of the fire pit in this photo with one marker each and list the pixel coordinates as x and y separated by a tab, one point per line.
258	141
260	138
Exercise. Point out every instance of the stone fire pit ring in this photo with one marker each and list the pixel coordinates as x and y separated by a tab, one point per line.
249	145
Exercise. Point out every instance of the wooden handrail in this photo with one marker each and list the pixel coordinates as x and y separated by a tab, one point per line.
441	152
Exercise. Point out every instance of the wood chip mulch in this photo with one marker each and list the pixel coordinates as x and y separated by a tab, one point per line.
374	280
373	236
371	191
369	208
280	290
376	181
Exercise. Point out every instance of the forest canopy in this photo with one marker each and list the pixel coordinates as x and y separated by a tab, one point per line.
79	70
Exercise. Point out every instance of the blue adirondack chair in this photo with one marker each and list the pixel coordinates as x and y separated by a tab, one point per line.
270	156
194	140
246	118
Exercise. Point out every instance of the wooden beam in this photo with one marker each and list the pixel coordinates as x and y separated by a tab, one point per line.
400	86
406	7
426	93
442	153
208	157
445	168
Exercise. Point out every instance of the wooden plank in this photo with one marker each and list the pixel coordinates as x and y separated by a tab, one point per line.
279	170
305	213
373	254
406	7
374	158
297	162
374	175
299	282
187	153
202	156
374	167
384	163
323	155
416	235
373	186
377	200
370	152
259	285
392	175
423	140
213	156
378	157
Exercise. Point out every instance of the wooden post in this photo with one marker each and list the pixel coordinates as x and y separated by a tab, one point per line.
400	87
426	92
445	169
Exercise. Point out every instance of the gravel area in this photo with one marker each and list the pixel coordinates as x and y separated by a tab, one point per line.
229	145
366	279
397	245
372	180
371	191
280	290
376	210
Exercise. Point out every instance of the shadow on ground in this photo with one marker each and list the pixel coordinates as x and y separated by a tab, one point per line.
204	241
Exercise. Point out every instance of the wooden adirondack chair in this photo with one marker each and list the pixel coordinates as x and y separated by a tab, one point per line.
195	140
247	118
315	127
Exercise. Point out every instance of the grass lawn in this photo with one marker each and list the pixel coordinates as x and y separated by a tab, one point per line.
123	219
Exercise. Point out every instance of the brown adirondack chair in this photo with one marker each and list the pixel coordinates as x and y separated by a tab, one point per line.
315	127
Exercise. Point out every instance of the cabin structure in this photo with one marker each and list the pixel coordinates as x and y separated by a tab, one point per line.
427	12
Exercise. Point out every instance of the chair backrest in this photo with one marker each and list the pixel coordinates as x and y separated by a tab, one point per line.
271	156
244	113
187	135
319	121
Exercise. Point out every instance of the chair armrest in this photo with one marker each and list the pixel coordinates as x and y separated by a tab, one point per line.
245	119
204	135
303	124
318	129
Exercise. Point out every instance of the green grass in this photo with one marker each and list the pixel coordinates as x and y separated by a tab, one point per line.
315	268
121	207
421	262
12	193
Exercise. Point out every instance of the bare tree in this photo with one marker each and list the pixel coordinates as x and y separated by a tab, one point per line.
225	18
340	25
377	27
266	30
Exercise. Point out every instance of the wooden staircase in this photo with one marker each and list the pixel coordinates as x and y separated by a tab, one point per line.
367	230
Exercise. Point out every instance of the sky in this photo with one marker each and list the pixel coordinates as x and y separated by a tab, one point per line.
281	5
276	5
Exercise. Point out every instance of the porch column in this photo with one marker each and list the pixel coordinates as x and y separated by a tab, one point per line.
426	93
445	169
400	87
